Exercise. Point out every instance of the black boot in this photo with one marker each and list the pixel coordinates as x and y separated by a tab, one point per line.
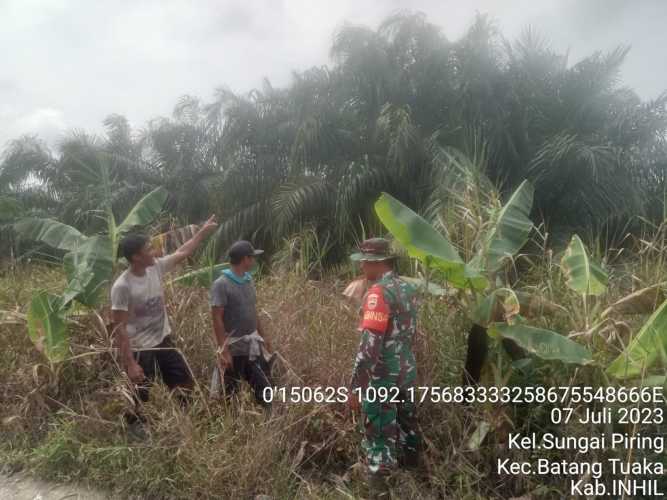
409	459
478	349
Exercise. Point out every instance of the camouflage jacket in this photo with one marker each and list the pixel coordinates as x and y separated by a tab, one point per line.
388	325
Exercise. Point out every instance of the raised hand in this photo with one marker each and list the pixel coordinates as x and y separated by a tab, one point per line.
210	225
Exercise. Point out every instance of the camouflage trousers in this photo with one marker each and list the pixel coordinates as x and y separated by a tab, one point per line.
390	429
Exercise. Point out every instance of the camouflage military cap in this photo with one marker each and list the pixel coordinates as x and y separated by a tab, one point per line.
374	249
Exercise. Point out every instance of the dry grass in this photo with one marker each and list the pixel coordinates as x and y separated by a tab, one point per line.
69	425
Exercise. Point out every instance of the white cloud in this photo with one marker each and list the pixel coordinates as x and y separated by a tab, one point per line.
70	63
47	123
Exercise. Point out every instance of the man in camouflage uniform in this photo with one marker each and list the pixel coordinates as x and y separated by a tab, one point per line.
385	359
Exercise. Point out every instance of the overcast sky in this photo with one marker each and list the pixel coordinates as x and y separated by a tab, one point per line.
69	63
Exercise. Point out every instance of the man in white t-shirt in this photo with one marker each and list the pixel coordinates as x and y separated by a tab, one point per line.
140	323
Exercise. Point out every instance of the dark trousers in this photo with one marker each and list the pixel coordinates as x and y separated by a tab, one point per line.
168	364
256	373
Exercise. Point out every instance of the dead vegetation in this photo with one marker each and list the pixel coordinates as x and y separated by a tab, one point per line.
66	423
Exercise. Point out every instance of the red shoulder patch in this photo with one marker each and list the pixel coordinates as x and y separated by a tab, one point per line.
375	311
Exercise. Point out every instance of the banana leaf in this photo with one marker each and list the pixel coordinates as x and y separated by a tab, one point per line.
46	326
474	270
582	274
499	305
144	212
512	228
431	288
645	350
51	232
203	277
423	242
88	270
542	343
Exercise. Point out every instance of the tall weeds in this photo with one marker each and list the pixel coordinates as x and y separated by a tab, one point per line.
70	426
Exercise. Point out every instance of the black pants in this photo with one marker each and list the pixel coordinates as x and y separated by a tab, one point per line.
256	373
166	362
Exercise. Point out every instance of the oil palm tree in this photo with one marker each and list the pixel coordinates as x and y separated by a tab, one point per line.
392	113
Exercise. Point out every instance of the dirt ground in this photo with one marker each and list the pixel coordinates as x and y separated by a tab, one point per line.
22	487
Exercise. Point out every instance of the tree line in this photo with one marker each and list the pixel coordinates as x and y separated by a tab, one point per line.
402	109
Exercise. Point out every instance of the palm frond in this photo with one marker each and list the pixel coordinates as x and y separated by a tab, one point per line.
243	224
299	201
402	137
356	193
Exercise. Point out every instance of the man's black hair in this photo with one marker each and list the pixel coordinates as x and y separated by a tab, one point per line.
235	259
132	244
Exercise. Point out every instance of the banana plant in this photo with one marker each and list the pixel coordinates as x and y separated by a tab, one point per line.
496	311
589	280
645	350
649	346
510	231
423	242
506	236
47	327
88	262
582	274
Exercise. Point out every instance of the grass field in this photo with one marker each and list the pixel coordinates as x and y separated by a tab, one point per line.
66	423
